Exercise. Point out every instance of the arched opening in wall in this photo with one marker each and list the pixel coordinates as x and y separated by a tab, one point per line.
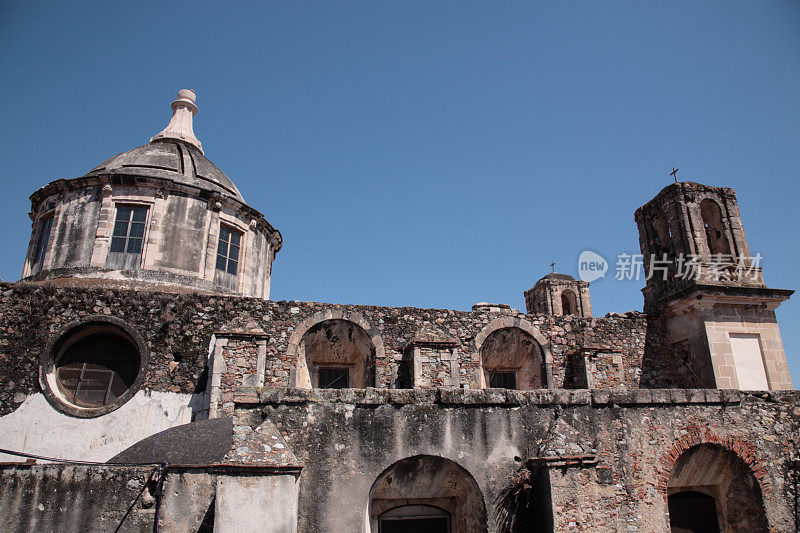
710	487
663	247
93	368
426	494
512	359
569	303
715	230
662	231
338	354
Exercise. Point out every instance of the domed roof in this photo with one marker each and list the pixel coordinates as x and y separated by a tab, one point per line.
202	442
556	275
170	159
174	154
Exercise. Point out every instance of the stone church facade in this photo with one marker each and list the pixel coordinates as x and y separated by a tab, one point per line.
148	380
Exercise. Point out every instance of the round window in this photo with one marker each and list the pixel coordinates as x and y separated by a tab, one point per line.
93	367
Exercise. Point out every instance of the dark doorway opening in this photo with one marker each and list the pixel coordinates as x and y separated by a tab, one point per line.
416	519
693	512
417	525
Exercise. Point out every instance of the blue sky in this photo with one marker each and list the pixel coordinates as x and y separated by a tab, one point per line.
426	154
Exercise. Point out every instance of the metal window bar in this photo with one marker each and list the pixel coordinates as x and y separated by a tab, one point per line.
84	380
503	379
333	378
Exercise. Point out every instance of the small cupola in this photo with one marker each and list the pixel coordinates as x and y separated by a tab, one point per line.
559	294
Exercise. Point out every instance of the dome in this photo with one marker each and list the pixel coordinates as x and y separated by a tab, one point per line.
170	159
555	275
160	215
202	442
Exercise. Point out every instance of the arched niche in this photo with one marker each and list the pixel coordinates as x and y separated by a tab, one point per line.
714	228
709	478
427	491
514	345
569	303
330	342
337	353
662	231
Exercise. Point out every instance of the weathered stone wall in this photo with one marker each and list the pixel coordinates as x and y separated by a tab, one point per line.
347	438
68	498
178	329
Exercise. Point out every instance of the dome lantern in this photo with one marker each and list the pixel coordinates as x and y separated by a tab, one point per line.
180	126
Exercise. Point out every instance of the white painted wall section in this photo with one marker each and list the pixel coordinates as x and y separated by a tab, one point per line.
749	362
37	427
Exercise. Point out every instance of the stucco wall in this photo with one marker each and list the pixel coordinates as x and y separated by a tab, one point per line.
37	427
82	499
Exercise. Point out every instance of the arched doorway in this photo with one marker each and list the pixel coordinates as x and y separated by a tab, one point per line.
691	511
712	487
426	494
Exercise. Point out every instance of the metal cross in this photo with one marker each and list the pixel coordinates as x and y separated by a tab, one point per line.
674	174
553	266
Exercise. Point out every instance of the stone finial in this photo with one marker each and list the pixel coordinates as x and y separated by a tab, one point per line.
180	125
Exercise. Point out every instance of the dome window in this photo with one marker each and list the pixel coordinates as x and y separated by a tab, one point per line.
228	251
42	240
93	368
127	242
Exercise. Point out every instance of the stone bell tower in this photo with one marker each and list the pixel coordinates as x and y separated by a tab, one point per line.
707	288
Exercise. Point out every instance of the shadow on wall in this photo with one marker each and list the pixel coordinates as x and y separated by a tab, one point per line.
525	504
666	365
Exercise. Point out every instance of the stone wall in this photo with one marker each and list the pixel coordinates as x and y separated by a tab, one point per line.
607	455
80	498
178	329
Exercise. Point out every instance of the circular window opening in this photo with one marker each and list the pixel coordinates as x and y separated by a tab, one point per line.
93	368
97	369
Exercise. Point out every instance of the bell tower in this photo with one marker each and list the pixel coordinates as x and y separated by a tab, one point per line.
707	288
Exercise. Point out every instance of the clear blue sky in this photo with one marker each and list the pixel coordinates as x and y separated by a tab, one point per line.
427	154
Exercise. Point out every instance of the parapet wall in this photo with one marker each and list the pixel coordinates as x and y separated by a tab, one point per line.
178	329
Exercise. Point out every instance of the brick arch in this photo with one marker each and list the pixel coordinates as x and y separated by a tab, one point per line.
527	327
697	435
296	353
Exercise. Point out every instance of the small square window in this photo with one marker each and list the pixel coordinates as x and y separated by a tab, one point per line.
333	378
503	380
